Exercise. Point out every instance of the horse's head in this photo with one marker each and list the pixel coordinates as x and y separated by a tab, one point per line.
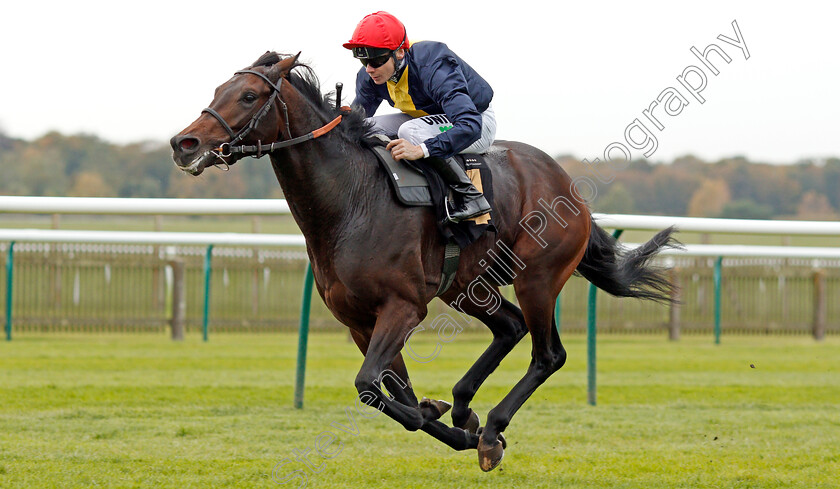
247	109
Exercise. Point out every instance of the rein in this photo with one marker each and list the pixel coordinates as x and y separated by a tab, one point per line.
258	149
226	150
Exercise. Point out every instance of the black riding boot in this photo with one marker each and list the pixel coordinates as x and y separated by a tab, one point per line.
468	201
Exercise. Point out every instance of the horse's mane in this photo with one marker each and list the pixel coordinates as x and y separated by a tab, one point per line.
304	79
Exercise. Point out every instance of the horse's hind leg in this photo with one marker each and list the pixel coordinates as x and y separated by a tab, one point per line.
508	327
536	293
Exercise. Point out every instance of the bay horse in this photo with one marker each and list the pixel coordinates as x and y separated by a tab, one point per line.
377	263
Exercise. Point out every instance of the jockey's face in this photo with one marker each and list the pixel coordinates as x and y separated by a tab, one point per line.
380	75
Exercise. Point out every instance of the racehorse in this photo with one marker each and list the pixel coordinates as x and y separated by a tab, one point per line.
377	263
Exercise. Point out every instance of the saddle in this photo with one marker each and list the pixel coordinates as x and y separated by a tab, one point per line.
415	185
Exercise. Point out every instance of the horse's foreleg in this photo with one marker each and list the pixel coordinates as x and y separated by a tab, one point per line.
508	327
398	387
382	352
455	438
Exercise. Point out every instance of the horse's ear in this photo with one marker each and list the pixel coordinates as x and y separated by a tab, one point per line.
286	65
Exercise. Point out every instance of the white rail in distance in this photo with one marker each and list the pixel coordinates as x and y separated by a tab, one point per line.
709	225
149	237
246	239
108	205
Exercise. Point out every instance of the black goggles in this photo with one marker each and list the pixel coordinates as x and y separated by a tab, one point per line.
375	62
375	57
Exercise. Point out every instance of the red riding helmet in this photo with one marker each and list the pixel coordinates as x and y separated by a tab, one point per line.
378	30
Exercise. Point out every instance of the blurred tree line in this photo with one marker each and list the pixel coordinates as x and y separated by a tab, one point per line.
730	188
86	166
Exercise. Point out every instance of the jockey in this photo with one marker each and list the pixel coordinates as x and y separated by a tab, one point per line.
445	105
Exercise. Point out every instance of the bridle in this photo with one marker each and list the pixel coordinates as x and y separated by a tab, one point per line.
228	149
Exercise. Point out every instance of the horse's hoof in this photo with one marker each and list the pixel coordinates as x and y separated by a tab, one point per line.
490	456
472	424
433	409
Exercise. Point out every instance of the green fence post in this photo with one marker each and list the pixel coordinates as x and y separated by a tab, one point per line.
9	282
591	319
207	270
717	280
591	322
557	310
303	336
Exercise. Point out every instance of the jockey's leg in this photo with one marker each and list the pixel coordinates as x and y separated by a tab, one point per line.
388	124
416	131
469	202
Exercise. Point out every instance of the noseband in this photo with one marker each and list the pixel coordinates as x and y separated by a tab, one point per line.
225	150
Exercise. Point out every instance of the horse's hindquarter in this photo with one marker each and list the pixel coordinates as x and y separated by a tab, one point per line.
547	196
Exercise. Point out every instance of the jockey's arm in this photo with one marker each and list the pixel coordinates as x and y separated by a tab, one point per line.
448	87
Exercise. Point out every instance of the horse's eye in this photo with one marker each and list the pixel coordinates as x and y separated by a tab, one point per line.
249	98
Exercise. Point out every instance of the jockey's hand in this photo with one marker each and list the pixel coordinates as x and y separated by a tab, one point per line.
403	150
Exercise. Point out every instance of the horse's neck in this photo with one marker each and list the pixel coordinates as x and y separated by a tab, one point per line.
322	181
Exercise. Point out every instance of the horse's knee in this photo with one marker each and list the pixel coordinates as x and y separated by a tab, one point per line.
512	337
547	363
365	383
371	394
553	358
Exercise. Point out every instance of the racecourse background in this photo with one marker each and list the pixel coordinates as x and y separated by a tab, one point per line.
77	287
140	410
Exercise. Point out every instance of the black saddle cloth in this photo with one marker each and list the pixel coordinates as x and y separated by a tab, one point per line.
416	184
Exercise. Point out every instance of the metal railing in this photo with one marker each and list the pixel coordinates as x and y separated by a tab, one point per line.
48	205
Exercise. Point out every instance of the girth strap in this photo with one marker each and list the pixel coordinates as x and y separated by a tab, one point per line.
451	258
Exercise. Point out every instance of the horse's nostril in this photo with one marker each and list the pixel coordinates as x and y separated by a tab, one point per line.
185	144
188	143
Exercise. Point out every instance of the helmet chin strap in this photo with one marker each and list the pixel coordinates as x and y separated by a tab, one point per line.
398	64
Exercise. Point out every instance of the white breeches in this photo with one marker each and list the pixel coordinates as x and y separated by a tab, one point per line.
418	130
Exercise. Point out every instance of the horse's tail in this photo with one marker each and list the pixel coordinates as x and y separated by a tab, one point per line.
627	273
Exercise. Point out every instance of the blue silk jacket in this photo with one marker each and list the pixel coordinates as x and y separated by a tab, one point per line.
433	80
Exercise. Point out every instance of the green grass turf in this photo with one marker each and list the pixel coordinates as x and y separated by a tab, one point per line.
142	411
